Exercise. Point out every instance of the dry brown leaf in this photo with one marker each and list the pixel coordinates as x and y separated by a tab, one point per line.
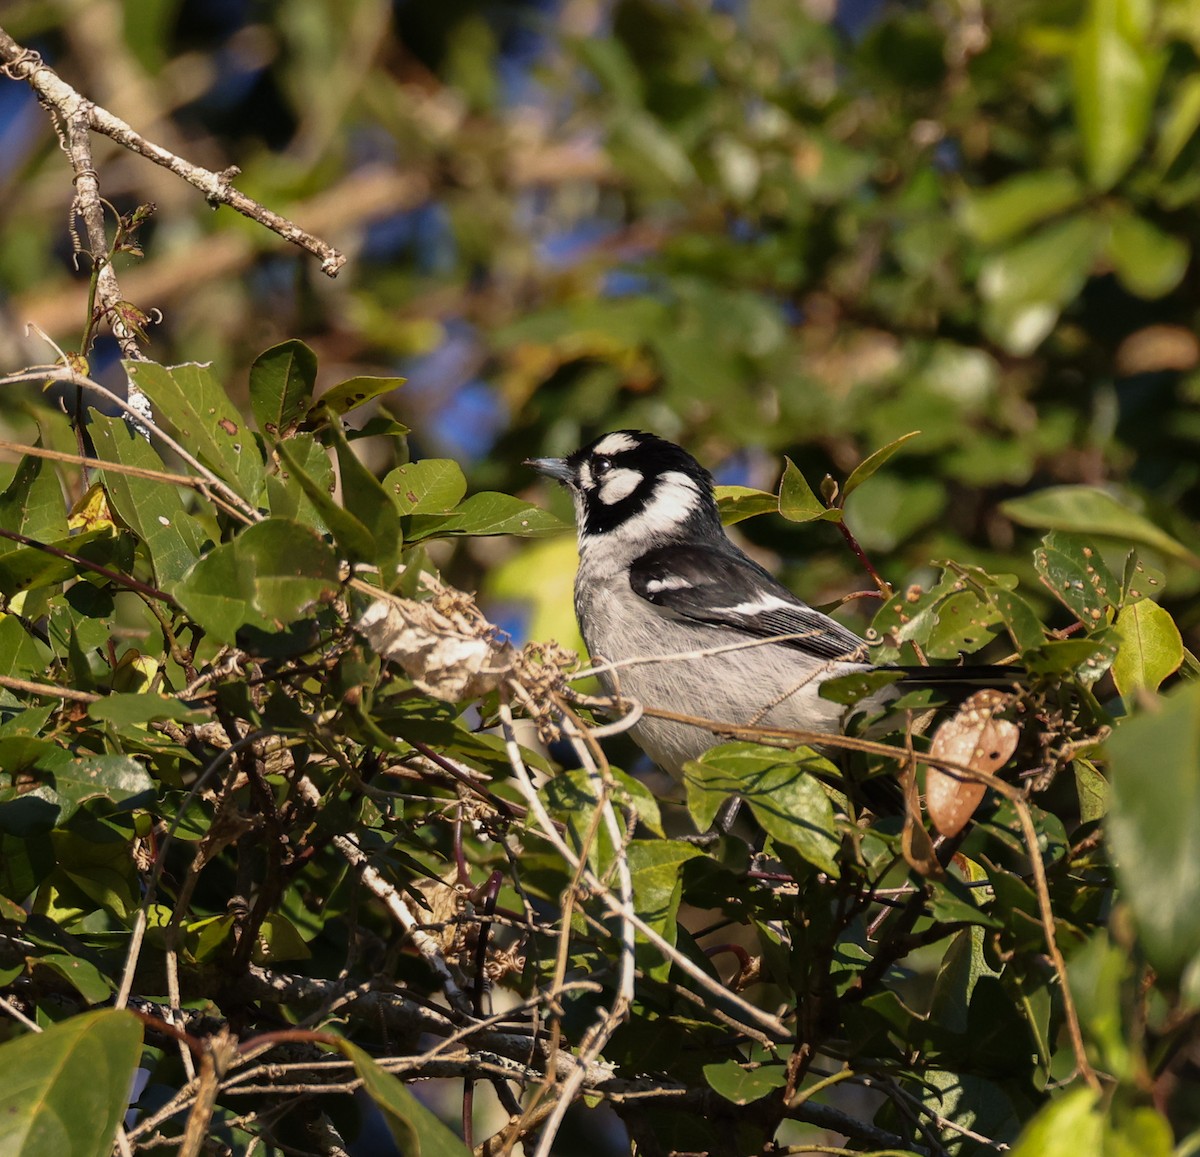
445	646
973	737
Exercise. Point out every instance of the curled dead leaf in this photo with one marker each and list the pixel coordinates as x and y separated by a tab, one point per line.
444	645
975	737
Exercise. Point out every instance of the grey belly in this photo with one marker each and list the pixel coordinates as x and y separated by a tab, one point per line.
764	684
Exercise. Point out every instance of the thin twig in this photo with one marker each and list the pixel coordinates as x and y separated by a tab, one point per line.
22	64
77	560
546	826
242	509
599	1034
47	690
1042	890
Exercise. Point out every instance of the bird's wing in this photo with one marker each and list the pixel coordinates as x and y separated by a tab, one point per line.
724	589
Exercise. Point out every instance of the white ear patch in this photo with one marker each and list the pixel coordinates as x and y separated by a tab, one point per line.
619	484
674	498
615	444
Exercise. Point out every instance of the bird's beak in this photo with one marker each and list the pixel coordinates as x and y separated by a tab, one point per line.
557	468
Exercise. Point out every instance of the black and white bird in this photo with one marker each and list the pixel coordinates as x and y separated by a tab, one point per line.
679	618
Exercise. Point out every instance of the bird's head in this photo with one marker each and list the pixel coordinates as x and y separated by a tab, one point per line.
636	487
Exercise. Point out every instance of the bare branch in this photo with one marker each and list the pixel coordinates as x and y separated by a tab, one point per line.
21	64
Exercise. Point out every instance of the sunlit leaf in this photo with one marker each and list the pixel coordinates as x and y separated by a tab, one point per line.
1115	75
32	504
739	502
429	486
797	502
153	510
488	513
281	385
1074	572
1000	212
1025	286
1087	510
1147	261
779	787
1150	647
740	1085
270	575
206	421
355	392
871	464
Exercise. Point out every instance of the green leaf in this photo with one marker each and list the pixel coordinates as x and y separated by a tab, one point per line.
1150	648
1025	286
366	500
348	532
850	689
279	939
66	1089
971	1102
268	576
572	798
913	615
1140	580
871	464
152	510
134	708
1086	510
1138	1132
352	393
379	426
1000	212
1097	972
963	622
953	902
797	502
1018	618
1073	570
963	967
416	1131
738	502
289	496
488	513
1084	659
430	486
81	974
1115	74
1180	122
739	1085
1067	1127
1152	822
32	504
206	421
30	567
42	785
1147	261
1091	788
21	655
655	869
281	386
781	790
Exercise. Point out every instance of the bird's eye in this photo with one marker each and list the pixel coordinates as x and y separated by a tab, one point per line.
601	466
